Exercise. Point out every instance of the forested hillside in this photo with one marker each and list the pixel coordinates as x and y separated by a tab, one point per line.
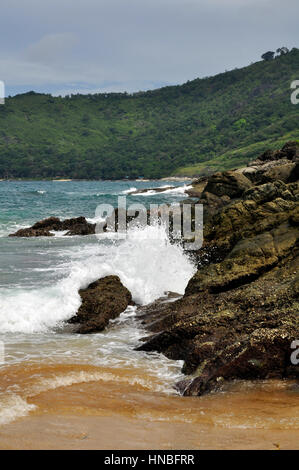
213	123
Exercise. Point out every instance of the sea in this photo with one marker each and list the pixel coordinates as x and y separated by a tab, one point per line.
64	390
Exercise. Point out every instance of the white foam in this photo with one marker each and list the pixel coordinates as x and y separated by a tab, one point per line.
129	191
73	378
60	233
179	190
13	407
96	220
146	262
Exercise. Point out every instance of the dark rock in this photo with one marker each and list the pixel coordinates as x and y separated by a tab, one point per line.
102	301
52	223
294	176
30	232
290	151
75	226
78	226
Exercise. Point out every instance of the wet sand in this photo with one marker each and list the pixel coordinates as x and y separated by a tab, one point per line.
84	407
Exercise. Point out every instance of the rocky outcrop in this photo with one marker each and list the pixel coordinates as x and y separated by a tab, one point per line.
75	226
274	165
102	301
220	189
240	312
229	183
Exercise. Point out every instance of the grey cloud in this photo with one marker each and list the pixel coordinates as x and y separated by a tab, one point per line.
51	48
136	43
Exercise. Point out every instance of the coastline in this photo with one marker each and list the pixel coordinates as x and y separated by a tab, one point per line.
140	180
231	332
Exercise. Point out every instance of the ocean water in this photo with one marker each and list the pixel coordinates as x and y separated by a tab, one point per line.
60	390
40	279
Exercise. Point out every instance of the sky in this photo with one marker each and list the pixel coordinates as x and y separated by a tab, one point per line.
94	46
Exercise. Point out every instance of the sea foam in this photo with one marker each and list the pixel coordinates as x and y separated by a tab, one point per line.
146	262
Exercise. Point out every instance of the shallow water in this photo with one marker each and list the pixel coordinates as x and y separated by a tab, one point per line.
84	407
64	390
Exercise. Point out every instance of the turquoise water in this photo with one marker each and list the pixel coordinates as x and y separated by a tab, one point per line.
24	202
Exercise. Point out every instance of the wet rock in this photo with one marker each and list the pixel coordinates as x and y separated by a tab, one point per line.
102	301
78	226
30	232
240	311
43	228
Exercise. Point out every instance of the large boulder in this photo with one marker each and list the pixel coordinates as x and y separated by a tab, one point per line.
228	183
102	301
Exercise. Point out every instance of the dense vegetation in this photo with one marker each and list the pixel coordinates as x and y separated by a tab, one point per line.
213	123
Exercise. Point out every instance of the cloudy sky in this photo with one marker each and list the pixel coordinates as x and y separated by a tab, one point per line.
70	46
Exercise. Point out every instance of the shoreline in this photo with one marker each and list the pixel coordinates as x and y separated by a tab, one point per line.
114	414
170	178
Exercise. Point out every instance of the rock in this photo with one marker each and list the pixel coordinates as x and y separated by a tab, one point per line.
294	176
102	301
229	183
274	165
247	260
290	151
52	223
264	354
240	311
281	172
218	190
75	226
30	232
78	226
198	187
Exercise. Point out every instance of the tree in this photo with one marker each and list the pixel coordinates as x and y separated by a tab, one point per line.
268	55
282	50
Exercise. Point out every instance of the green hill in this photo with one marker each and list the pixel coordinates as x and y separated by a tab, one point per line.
206	124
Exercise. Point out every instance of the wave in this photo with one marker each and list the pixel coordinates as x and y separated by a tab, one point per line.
179	190
33	379
129	191
35	192
12	408
146	262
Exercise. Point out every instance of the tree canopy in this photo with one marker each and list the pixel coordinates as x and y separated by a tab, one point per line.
217	122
